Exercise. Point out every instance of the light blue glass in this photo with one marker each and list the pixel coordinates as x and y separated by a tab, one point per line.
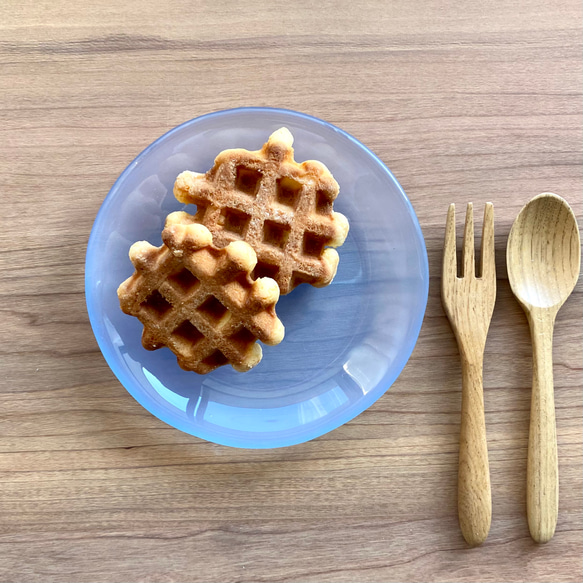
344	345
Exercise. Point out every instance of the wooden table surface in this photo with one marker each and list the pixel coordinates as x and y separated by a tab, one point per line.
470	101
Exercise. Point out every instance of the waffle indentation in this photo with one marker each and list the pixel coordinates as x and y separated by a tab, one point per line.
288	191
263	269
186	332
184	280
248	180
234	221
276	234
314	244
242	338
213	309
215	359
156	304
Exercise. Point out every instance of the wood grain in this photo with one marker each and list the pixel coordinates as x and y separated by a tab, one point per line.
479	101
468	301
543	258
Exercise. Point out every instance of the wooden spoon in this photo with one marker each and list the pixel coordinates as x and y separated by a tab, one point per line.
543	258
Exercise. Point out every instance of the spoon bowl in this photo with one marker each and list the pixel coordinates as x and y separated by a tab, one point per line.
544	253
543	258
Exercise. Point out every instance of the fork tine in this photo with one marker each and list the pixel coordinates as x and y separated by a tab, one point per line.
488	258
449	268
468	256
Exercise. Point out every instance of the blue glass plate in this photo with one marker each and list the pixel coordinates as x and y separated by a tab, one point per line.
344	345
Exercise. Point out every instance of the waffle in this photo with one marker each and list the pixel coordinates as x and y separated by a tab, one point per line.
281	208
200	301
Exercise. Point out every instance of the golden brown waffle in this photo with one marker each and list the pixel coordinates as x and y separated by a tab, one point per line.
281	208
200	301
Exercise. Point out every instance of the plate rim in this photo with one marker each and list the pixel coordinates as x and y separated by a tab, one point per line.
241	442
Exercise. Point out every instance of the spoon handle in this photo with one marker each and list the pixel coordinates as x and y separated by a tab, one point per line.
542	473
474	495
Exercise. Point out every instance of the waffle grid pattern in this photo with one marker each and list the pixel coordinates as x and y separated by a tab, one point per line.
281	208
200	301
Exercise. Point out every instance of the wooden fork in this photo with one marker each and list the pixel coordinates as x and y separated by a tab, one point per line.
469	302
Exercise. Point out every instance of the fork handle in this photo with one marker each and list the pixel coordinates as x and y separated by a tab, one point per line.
542	469
474	495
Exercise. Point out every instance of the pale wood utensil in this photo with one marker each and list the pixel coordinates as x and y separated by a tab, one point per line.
543	257
469	302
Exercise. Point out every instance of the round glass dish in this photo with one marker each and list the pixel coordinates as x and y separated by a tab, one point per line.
345	344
